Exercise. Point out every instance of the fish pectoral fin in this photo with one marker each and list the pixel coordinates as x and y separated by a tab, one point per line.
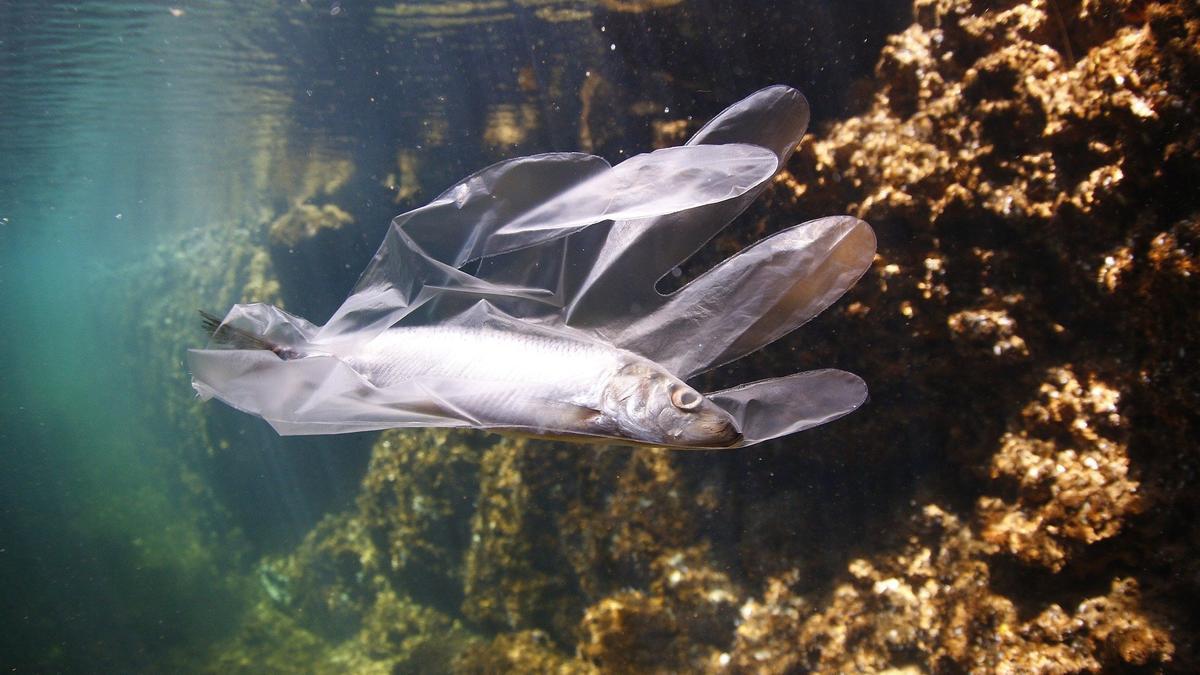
586	414
562	421
567	410
569	417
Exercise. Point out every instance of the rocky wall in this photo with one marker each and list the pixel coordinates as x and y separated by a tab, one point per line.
1018	496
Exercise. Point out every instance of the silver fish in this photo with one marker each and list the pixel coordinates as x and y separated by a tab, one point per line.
547	385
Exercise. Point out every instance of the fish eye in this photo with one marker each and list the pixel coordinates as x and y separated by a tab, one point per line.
685	398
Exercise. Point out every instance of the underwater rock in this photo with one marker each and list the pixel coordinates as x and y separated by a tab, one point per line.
405	182
635	6
398	636
330	582
508	128
528	651
983	118
556	525
1070	464
600	103
931	606
292	173
630	632
268	640
403	636
681	623
417	500
1026	167
703	599
992	330
632	508
261	284
333	601
515	574
305	221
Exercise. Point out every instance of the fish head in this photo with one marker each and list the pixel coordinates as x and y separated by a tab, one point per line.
645	403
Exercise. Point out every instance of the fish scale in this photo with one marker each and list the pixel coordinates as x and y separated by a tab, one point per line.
556	366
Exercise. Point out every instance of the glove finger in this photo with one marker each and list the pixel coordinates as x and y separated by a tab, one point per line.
785	405
624	265
753	298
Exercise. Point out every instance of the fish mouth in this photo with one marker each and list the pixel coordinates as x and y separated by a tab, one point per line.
720	433
732	438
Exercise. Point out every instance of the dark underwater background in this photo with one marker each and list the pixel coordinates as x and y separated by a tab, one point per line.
1019	494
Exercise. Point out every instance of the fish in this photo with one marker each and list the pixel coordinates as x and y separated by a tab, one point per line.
523	300
549	385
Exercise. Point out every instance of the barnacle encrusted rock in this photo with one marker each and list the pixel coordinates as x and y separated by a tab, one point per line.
1069	464
681	623
930	606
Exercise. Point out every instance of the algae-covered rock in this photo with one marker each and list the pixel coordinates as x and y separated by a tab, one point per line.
633	507
931	606
508	127
1024	165
682	623
269	641
516	576
638	5
411	637
630	631
418	496
331	580
398	636
527	651
331	607
305	221
1070	466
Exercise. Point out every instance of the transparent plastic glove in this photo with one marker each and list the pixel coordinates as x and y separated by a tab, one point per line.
520	203
785	405
567	250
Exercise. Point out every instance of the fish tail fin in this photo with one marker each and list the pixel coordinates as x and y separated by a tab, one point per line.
231	336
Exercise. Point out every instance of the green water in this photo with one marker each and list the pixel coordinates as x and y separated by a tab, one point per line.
113	142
